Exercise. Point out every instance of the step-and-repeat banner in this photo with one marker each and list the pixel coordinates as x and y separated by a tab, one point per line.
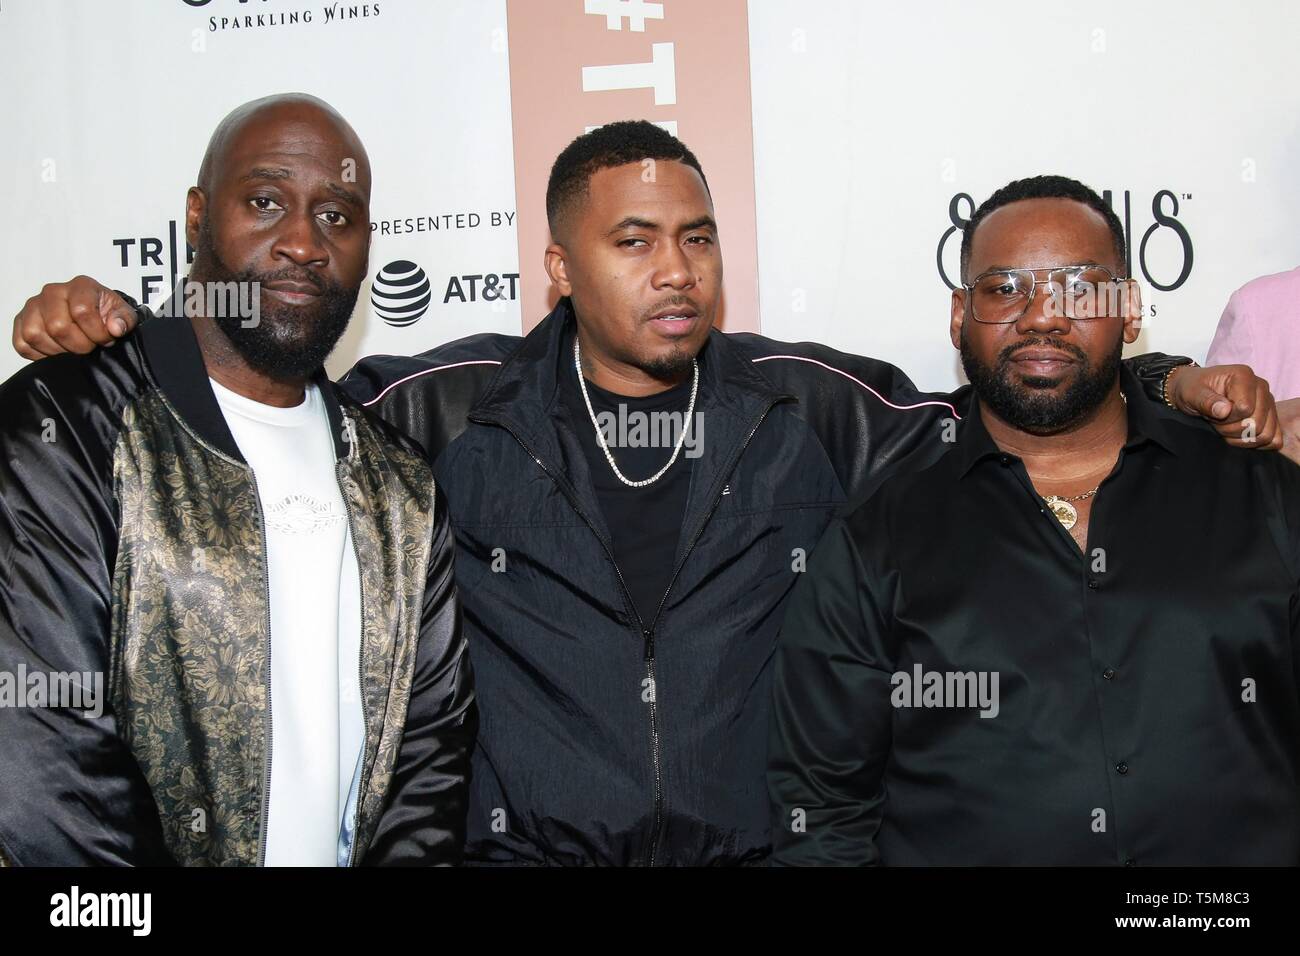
846	144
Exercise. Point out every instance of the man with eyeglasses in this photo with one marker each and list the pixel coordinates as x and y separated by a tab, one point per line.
1069	636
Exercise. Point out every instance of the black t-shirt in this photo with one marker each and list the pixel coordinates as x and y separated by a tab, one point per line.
645	522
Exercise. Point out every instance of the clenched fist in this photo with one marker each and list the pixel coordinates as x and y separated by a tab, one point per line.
75	316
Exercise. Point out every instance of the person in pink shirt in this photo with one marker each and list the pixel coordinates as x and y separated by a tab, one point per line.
1261	328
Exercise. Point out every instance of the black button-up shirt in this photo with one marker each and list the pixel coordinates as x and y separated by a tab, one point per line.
957	683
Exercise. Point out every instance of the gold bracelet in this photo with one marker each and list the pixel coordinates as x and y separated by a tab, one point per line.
1164	389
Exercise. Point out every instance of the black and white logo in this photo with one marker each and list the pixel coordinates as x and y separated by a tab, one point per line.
400	293
158	262
1164	215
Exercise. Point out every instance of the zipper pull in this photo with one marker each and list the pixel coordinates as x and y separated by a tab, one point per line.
649	644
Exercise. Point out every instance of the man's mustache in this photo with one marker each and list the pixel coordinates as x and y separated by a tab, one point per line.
674	302
294	275
1004	357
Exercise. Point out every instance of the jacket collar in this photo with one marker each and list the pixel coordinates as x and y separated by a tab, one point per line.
526	388
176	364
525	398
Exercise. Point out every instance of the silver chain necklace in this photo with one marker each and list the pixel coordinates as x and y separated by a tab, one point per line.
600	437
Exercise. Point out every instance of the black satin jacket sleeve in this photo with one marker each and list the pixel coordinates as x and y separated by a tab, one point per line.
424	821
71	793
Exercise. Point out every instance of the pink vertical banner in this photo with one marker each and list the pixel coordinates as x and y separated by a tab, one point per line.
575	64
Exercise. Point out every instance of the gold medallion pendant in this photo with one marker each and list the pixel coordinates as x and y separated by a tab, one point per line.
1063	510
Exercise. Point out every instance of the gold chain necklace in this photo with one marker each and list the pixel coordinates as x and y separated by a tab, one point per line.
1065	512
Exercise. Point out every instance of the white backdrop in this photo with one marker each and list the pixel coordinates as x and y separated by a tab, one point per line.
122	96
870	117
868	120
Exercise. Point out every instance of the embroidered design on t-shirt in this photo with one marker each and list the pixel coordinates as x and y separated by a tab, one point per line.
302	514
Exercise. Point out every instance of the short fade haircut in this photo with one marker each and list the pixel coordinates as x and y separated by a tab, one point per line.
1043	187
614	144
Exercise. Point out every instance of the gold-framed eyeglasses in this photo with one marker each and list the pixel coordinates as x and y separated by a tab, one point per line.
1078	292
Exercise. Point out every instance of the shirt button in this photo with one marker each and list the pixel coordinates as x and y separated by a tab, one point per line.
1092	584
1004	460
1121	768
1108	673
1130	862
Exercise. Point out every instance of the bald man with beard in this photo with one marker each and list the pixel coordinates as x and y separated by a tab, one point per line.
246	577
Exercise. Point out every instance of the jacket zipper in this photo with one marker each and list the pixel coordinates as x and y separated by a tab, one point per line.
361	658
266	764
654	745
648	634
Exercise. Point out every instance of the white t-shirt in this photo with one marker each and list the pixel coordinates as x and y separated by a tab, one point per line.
316	720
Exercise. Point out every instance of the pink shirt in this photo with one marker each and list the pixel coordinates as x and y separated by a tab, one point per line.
1261	328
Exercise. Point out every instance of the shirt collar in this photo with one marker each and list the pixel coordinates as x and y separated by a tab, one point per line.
177	368
1148	421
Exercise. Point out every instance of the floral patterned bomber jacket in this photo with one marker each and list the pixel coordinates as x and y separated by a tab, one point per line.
132	557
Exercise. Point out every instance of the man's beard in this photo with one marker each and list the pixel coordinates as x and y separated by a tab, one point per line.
288	342
677	363
668	368
1027	405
